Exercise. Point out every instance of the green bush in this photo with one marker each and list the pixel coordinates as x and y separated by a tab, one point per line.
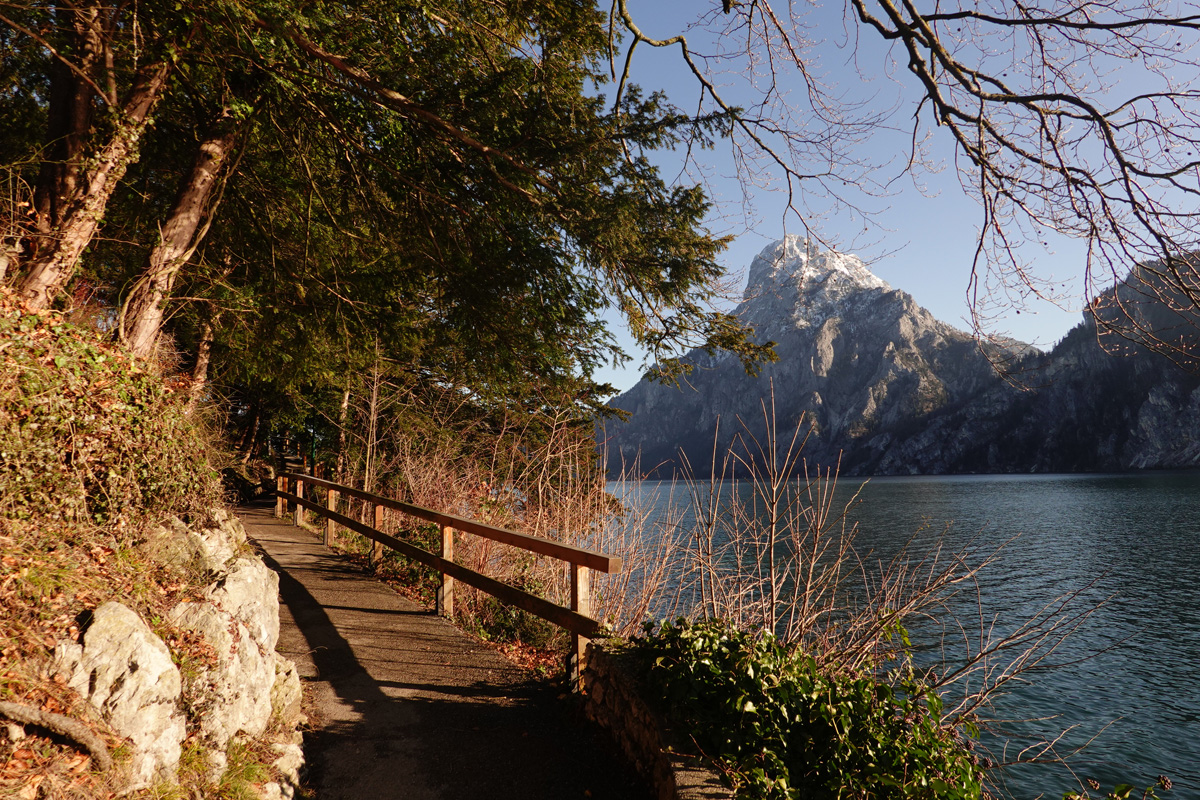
88	434
779	728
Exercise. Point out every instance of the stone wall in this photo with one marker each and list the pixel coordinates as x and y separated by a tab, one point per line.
613	699
242	688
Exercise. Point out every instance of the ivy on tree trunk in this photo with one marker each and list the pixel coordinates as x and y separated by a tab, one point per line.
49	272
180	234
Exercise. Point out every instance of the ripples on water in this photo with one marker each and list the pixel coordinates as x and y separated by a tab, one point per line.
1135	540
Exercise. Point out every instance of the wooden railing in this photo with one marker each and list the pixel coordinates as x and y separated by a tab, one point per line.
576	619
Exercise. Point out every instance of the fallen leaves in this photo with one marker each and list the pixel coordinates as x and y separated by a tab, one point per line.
30	790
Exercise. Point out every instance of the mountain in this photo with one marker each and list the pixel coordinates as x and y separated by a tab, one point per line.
1100	401
857	359
885	388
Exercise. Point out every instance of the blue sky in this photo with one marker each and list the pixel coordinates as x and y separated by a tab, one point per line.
921	238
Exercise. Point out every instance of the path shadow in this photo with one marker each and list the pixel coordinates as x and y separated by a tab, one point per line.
440	736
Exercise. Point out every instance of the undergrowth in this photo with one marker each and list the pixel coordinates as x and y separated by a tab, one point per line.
95	449
797	677
780	726
88	434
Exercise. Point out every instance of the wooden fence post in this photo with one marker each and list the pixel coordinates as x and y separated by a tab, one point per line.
377	547
445	595
331	503
280	503
298	514
581	601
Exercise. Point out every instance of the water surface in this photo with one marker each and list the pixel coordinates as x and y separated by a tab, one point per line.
1130	677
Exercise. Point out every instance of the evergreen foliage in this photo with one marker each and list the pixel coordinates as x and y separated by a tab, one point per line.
780	726
443	183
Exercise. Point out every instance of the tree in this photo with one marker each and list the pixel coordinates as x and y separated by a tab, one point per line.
1046	137
442	177
108	69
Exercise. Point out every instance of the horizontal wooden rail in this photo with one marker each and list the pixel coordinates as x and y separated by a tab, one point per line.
535	544
565	618
575	619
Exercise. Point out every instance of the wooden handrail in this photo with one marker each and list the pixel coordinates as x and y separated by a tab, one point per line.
562	617
534	544
575	619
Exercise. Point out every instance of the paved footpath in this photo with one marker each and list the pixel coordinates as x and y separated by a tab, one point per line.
404	705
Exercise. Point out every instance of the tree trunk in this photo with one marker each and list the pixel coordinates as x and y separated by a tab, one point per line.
343	417
372	426
69	115
246	448
200	369
51	270
142	315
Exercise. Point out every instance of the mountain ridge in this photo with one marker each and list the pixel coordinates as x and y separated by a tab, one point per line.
886	388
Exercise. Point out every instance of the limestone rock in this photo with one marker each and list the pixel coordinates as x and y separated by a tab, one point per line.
890	390
275	791
286	695
231	525
176	546
869	356
250	593
234	695
216	762
289	763
127	675
223	541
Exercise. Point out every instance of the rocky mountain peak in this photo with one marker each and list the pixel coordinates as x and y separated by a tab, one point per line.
793	278
798	262
888	389
857	360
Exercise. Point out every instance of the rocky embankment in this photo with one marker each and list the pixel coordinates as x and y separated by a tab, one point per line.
217	680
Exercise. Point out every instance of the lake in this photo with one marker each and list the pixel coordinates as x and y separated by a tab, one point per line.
1130	677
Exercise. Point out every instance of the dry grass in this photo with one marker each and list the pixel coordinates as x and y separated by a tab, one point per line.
776	553
782	557
536	477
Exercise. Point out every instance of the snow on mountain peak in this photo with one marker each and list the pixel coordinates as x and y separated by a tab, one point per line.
793	277
798	261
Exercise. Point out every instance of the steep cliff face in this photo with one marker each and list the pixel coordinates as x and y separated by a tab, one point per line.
1095	405
856	359
888	389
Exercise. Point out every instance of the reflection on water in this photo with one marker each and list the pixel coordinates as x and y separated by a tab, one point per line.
1131	674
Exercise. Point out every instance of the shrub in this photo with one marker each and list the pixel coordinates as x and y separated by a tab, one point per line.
779	726
86	433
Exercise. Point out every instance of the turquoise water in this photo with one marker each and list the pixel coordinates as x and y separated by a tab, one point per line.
1128	680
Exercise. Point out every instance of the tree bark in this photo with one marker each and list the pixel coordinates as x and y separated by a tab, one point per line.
246	447
69	115
372	426
142	315
343	417
73	729
200	368
50	271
